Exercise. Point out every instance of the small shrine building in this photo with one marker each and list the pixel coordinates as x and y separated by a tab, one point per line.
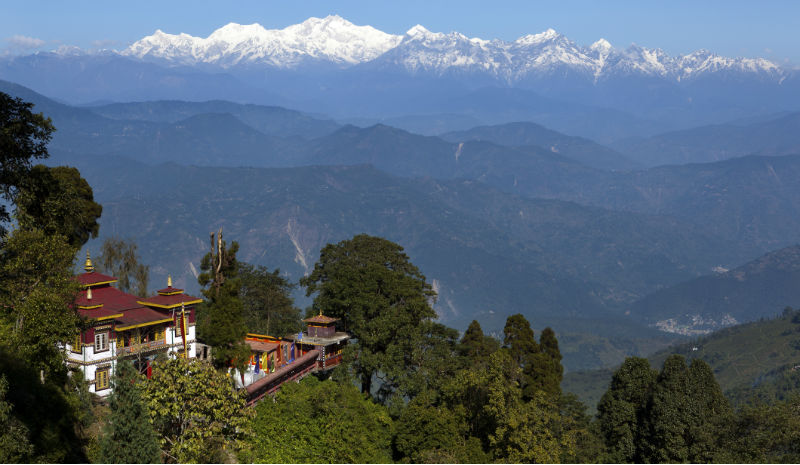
275	360
124	326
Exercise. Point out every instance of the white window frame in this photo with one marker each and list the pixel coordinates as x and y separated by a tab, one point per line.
101	341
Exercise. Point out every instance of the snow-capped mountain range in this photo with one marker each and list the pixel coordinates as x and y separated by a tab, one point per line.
335	41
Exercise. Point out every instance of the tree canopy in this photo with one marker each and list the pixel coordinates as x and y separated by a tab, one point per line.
129	436
195	411
118	257
23	137
320	422
58	201
381	298
220	322
266	301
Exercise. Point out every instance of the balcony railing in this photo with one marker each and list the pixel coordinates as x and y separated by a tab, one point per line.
145	346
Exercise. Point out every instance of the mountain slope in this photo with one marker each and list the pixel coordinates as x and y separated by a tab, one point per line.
491	254
273	121
753	358
780	136
754	290
520	134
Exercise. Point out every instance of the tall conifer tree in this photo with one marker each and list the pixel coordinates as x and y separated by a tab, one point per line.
545	371
129	436
709	414
620	411
667	418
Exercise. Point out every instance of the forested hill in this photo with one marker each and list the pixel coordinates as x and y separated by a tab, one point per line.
762	354
757	289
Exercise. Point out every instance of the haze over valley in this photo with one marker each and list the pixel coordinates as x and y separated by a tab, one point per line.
592	188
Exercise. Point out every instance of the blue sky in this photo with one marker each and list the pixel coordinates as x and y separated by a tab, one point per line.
732	27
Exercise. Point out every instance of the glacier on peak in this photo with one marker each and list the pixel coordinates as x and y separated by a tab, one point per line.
602	46
331	39
335	40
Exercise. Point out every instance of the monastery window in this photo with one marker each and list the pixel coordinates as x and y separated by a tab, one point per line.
101	379
100	342
161	334
178	330
120	340
77	344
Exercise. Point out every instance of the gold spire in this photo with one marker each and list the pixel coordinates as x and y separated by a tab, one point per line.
320	311
89	294
169	280
88	265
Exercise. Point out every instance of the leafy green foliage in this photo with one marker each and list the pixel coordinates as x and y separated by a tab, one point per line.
430	433
765	433
545	367
540	362
14	444
680	415
58	201
23	137
266	301
667	414
320	422
129	435
220	319
381	298
195	411
119	258
50	411
36	288
621	410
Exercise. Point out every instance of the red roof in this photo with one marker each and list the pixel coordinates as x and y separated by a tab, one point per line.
93	279
111	298
322	319
141	316
169	290
112	301
169	301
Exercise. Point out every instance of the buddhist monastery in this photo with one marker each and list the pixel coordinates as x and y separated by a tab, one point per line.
275	361
124	326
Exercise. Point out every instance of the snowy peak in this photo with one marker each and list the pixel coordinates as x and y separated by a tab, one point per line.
549	35
602	46
331	39
335	41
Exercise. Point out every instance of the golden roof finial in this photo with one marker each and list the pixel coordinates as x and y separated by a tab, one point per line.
169	280
89	294
88	265
320	311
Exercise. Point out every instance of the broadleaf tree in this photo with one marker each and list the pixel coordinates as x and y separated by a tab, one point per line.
195	411
23	138
266	301
381	298
119	258
58	200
